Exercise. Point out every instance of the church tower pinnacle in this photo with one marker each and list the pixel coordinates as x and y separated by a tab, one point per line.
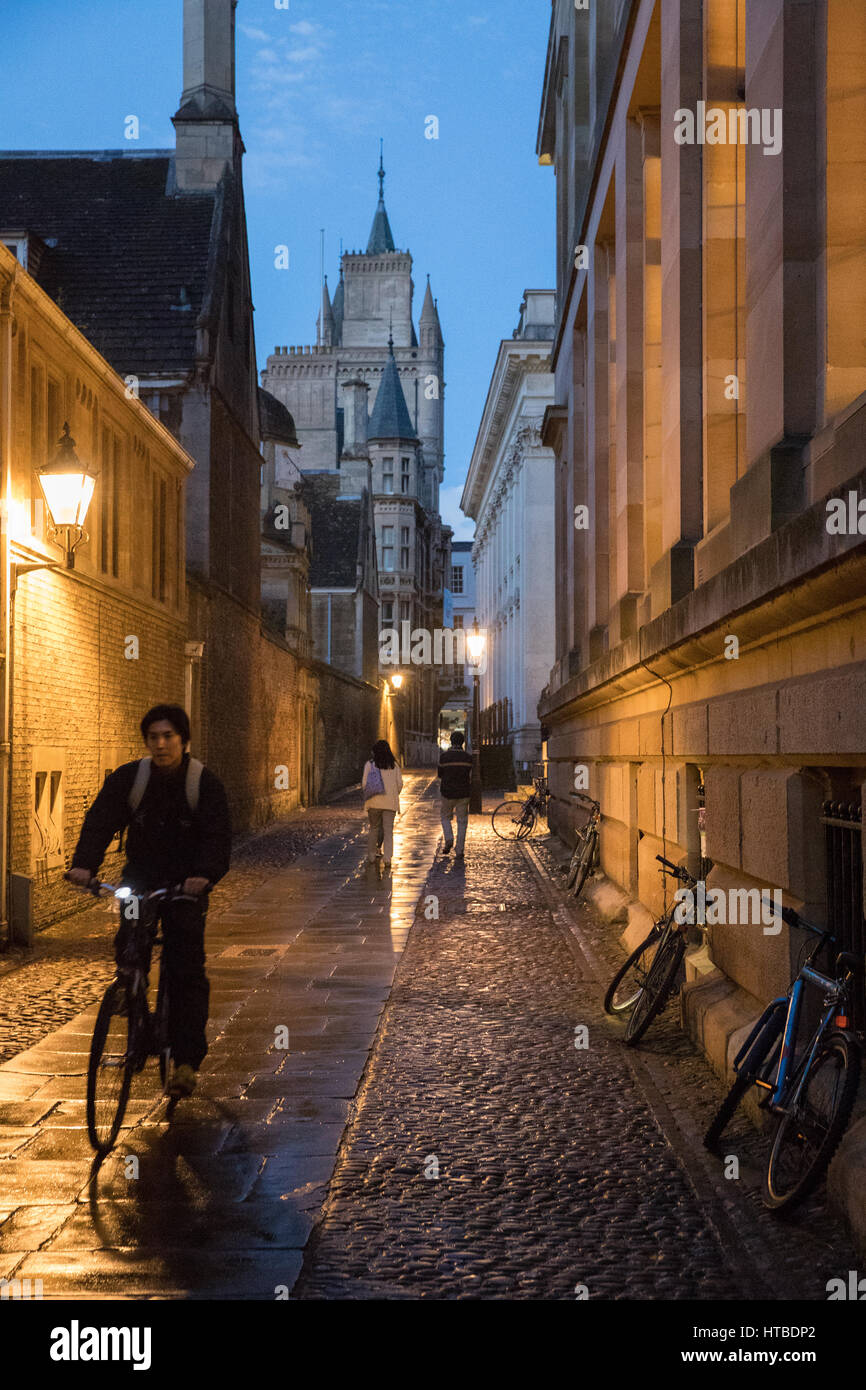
381	238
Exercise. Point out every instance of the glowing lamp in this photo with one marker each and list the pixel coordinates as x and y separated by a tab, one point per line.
67	486
476	641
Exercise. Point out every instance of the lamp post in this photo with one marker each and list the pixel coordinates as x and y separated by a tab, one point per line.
475	644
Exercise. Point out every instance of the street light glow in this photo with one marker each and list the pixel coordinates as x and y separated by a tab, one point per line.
475	643
397	682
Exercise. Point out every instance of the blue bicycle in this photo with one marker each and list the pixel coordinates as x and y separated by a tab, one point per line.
809	1085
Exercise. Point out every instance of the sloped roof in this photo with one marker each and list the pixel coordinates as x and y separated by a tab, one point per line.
335	525
275	421
126	262
390	418
381	237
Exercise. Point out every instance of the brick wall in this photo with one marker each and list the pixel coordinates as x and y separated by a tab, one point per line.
76	692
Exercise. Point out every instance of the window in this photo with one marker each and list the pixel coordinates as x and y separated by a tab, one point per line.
157	586
404	557
388	475
404	610
457	622
388	613
405	475
388	548
457	579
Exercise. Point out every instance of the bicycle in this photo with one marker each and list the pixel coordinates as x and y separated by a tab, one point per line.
809	1089
644	983
515	820
584	853
126	1033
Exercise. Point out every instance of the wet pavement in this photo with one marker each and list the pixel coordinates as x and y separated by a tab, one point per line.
438	1132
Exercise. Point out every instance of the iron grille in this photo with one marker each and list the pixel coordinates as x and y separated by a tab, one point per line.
842	821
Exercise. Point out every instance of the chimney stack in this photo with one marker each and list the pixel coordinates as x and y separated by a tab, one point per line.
206	123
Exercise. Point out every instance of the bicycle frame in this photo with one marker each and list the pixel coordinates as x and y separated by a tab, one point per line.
785	1088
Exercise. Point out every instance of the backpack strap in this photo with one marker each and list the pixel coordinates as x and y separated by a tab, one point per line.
139	786
193	782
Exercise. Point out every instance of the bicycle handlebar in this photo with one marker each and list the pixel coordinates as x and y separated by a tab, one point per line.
676	871
105	890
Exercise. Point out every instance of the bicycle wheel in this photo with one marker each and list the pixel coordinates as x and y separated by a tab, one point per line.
512	820
586	858
163	1047
659	983
109	1071
574	863
630	979
761	1059
807	1136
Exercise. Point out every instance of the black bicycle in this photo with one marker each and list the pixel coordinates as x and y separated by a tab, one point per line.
646	981
515	820
585	851
809	1086
126	1033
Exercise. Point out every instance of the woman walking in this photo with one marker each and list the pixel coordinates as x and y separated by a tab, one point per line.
381	785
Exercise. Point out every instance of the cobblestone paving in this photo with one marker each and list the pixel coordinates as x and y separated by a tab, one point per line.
557	1166
71	962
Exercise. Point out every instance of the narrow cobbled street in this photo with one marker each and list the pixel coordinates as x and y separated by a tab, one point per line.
434	1133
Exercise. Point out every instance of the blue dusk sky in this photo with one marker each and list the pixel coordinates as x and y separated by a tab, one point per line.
317	84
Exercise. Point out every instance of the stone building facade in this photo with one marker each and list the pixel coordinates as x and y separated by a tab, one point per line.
87	649
509	493
368	403
708	425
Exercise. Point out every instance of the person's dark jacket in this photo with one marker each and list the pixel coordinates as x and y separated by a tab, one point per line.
455	773
166	841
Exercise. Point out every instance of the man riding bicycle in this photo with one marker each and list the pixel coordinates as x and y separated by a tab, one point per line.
178	832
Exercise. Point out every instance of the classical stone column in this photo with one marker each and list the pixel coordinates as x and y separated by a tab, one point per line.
784	247
597	450
672	576
652	341
627	493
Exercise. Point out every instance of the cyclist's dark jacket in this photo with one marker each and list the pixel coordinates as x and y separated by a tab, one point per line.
166	842
455	772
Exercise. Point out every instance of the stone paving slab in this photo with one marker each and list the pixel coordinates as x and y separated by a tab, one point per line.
243	1170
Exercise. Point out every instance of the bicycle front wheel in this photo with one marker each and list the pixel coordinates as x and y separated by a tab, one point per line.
512	820
109	1071
807	1136
631	978
659	983
585	863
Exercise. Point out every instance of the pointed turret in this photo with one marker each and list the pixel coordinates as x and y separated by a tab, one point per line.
325	322
390	418
339	300
381	239
431	329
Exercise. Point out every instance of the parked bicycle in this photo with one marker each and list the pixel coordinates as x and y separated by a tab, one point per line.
646	981
585	851
809	1086
126	1033
515	820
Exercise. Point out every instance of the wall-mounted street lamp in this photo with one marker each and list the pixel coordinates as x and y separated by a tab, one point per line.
476	642
67	486
397	681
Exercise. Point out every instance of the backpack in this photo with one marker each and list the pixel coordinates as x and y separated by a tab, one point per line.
142	777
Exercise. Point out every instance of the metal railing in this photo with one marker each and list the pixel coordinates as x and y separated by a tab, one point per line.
842	821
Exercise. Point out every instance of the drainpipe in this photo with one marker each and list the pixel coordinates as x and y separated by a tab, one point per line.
7	290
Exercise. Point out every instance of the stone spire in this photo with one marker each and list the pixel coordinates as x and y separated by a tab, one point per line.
390	418
381	239
325	323
431	329
206	122
339	302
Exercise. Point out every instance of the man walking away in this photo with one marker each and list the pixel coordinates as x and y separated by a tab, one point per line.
455	777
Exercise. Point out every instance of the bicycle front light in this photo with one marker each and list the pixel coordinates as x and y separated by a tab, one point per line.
123	893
